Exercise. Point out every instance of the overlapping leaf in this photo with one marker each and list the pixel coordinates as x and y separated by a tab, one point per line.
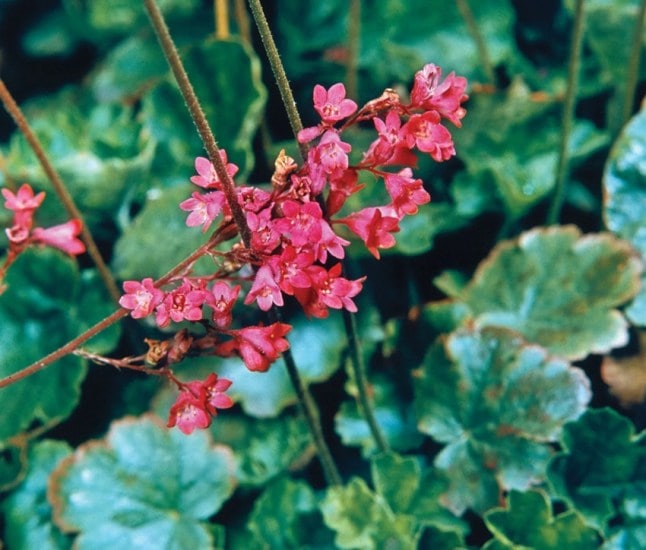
559	289
495	401
144	487
602	472
527	522
624	184
28	514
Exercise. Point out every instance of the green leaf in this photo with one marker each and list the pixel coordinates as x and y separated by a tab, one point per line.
410	489
263	448
602	467
624	183
363	520
28	514
393	415
287	515
557	288
140	252
495	400
154	488
227	80
37	315
527	522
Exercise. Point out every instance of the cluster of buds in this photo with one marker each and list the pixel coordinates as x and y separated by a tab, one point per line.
294	249
22	233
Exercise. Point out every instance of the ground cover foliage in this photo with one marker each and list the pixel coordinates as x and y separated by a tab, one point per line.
504	345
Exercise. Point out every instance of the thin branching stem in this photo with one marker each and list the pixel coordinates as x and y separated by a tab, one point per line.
567	116
60	189
204	130
633	67
365	402
481	45
221	10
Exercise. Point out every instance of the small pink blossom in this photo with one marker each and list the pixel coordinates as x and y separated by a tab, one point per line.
342	186
333	290
188	413
203	208
222	301
264	235
301	223
406	192
252	199
425	132
391	146
332	104
182	303
214	388
444	97
332	153
374	225
23	204
141	297
265	290
61	236
258	346
292	265
207	177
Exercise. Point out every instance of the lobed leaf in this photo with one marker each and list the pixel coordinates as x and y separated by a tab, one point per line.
144	486
495	401
527	522
624	184
558	289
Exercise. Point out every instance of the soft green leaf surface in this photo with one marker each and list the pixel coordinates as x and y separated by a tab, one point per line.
144	487
362	520
602	463
226	78
411	489
393	415
494	400
527	522
558	288
286	515
624	184
37	315
28	514
263	448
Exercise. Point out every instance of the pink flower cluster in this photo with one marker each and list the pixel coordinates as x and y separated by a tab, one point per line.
294	248
22	234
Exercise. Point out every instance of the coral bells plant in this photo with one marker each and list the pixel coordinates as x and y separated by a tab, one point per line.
296	246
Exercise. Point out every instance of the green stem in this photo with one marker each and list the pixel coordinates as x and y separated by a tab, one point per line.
239	218
633	68
481	45
567	116
354	37
365	403
279	71
60	189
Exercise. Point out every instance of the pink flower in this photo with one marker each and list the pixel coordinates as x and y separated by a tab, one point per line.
444	97
203	208
341	187
429	136
252	199
374	225
264	236
214	389
189	412
406	192
182	303
332	153
222	301
391	146
258	346
265	290
300	222
331	104
141	297
333	290
292	265
61	236
23	204
329	242
207	178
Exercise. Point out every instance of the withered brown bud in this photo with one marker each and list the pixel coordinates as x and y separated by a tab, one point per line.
157	351
180	345
283	167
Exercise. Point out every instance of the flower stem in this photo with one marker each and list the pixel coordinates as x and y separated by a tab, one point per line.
633	68
365	403
60	189
354	37
279	71
221	11
567	116
199	119
481	45
240	220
